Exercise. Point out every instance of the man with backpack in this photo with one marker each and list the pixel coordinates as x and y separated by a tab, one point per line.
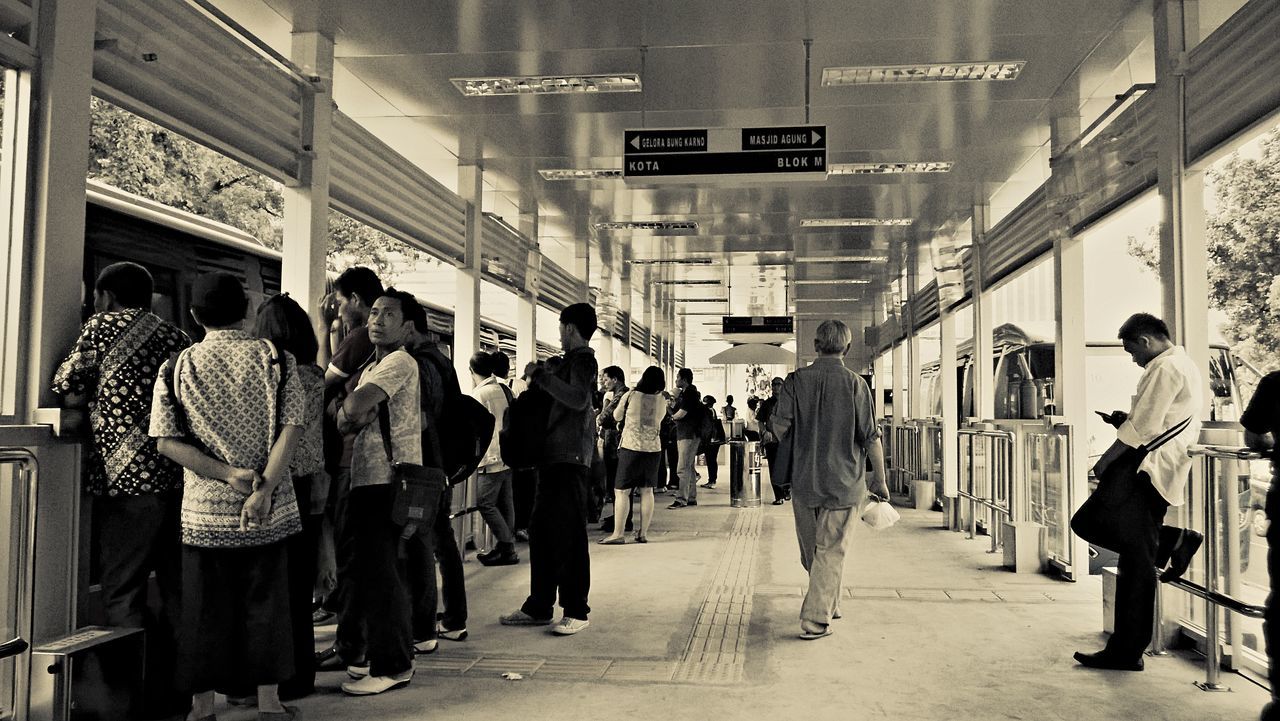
559	560
493	478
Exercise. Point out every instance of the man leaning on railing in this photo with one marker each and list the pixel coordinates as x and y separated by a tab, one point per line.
1261	421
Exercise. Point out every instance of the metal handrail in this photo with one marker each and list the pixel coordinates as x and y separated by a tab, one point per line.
29	471
1214	599
976	500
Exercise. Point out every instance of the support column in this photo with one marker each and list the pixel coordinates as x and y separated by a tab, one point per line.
306	205
624	303
984	398
527	302
898	366
466	311
950	408
1070	388
1183	255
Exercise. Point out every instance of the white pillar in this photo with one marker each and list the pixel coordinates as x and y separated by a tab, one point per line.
527	302
1070	393
878	371
306	205
466	312
1183	255
984	398
898	361
950	405
624	303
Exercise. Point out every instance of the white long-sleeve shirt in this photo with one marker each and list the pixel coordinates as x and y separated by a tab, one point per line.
1169	393
494	399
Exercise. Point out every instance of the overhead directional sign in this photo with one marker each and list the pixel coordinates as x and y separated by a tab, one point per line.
777	153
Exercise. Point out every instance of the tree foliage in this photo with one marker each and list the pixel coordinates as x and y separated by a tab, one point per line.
140	157
1243	241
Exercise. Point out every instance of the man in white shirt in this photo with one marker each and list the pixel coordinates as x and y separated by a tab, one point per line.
1143	473
493	478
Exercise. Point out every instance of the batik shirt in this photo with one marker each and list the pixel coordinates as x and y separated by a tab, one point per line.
229	390
114	365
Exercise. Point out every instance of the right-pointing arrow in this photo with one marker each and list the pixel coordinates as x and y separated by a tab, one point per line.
816	137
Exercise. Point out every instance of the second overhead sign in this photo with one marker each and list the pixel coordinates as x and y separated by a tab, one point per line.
787	152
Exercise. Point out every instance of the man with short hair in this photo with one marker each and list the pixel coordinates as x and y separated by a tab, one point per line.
825	412
135	490
355	289
493	476
384	413
686	411
1139	477
559	560
769	444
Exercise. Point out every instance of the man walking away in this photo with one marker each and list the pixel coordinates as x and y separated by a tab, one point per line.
559	560
1139	477
687	410
136	491
493	478
827	413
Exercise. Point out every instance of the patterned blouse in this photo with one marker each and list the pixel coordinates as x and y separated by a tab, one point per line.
641	417
114	365
308	458
228	387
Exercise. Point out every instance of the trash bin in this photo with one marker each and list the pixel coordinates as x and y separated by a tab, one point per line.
744	474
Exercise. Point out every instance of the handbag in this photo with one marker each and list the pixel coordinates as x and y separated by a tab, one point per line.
413	485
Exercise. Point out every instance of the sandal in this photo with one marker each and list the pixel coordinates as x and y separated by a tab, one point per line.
640	538
606	541
807	635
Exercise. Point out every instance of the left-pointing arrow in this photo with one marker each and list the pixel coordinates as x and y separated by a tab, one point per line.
635	142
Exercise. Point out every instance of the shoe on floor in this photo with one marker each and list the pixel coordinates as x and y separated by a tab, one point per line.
1180	559
425	647
610	541
522	535
329	660
677	504
358	670
568	626
778	501
690	503
451	635
520	618
1102	660
813	631
288	714
371	685
322	617
498	558
709	485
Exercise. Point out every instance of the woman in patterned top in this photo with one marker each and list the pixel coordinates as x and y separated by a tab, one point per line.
283	322
230	410
640	412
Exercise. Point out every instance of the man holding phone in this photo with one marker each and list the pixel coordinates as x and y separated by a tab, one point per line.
1139	477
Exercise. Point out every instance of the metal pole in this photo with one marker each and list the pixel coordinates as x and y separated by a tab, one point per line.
1212	656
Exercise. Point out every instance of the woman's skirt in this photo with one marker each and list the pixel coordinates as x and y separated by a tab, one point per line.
637	469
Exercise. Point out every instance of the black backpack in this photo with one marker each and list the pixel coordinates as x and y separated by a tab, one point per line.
525	429
464	427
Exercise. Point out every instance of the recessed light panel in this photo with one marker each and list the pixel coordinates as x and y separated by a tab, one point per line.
940	72
853	222
843	259
547	85
699	300
580	173
671	261
688	282
828	300
647	225
887	168
834	281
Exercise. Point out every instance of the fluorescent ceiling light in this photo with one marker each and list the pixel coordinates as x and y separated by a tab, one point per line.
827	300
887	168
647	225
699	300
939	72
852	222
688	282
547	84
671	261
843	259
580	173
834	281
704	312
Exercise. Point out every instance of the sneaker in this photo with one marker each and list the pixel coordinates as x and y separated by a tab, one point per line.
358	670
520	618
568	626
456	635
371	685
677	504
425	647
710	484
522	535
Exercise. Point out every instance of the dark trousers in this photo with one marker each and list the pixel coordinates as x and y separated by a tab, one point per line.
1124	515
376	622
301	551
771	455
339	490
453	583
673	464
523	483
559	560
138	535
1271	622
235	628
420	562
713	463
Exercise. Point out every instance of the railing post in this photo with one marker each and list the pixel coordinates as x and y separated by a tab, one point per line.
1212	655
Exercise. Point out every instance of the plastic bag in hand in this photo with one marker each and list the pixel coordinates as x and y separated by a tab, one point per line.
879	515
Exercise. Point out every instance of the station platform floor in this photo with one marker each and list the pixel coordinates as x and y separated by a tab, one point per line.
702	622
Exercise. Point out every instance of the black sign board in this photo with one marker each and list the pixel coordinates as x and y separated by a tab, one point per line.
757	324
790	152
